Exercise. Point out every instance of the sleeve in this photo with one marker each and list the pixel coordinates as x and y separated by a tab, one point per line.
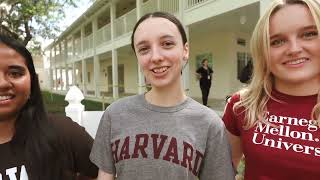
101	153
217	163
229	118
78	145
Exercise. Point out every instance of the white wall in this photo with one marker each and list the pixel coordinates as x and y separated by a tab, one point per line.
223	47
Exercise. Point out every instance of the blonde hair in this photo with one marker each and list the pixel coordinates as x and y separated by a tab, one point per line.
255	97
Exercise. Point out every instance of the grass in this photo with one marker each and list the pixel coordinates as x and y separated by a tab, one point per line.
55	103
241	169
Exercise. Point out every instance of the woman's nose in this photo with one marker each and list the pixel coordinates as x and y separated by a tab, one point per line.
156	55
4	82
294	48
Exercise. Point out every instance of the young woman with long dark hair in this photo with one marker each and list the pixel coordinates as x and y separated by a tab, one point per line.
34	145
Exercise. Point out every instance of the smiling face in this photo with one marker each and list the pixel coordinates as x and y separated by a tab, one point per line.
15	83
294	48
160	52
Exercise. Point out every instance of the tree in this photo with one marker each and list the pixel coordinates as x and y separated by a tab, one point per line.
24	19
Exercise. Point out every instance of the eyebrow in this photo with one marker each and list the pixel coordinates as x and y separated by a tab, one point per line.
310	27
304	28
17	67
162	37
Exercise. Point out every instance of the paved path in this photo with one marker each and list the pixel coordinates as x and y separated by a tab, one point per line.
215	104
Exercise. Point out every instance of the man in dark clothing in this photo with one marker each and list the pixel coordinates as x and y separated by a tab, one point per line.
205	74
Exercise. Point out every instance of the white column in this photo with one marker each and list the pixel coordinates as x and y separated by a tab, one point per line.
60	65
66	50
55	68
83	63
84	76
141	83
186	70
158	5
96	70
74	76
50	70
96	60
115	82
82	40
73	47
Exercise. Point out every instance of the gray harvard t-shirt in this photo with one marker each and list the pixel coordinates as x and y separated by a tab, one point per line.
140	141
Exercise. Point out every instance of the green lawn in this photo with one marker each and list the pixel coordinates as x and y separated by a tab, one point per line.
55	103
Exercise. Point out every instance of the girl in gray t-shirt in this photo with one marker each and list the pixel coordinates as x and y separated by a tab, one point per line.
162	134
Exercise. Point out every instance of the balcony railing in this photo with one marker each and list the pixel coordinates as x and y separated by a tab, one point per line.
124	24
103	35
88	42
171	6
149	6
192	3
77	47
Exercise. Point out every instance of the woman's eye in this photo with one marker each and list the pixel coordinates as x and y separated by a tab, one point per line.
167	44
142	50
310	34
16	74
277	42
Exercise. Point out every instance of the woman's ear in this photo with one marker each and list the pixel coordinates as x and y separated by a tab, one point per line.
185	52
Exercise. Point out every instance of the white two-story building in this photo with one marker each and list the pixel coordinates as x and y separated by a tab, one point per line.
94	52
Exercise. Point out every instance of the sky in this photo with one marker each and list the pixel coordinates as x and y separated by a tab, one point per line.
72	13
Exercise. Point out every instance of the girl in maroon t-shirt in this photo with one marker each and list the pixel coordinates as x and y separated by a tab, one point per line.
274	121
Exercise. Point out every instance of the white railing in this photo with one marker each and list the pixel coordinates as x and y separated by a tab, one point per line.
192	3
149	7
75	110
88	42
171	6
103	35
77	47
125	23
70	53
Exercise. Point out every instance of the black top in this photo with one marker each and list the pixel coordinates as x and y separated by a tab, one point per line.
206	75
77	145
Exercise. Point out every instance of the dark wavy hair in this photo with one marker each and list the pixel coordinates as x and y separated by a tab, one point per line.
34	136
164	15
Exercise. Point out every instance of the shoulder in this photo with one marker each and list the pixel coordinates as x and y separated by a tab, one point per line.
124	104
65	127
234	98
61	121
125	101
199	69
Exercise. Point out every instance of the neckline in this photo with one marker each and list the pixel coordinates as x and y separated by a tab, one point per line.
292	98
162	109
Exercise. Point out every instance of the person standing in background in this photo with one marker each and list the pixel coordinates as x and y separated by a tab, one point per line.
205	74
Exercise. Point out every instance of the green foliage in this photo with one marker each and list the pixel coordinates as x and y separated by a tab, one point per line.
240	169
23	19
55	103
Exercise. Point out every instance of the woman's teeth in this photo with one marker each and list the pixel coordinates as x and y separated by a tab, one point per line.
159	70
